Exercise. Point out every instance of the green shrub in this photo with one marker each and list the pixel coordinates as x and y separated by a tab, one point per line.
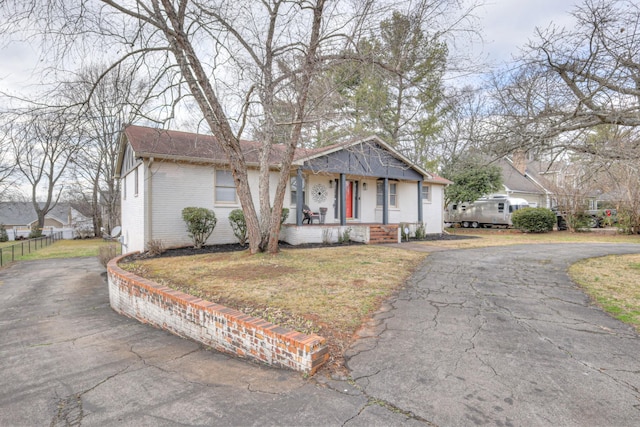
345	236
284	215
4	237
238	225
534	220
421	231
35	232
200	224
628	220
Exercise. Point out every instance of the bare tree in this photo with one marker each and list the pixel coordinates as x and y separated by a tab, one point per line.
617	182
242	62
572	80
44	144
106	104
463	128
236	58
625	186
7	166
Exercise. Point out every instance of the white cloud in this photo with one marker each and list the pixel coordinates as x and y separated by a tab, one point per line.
19	60
509	24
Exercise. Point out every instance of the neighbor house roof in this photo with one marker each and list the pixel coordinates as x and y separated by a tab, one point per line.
23	213
514	180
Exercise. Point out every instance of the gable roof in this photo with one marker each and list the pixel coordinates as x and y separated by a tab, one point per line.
516	181
379	154
23	213
310	155
184	146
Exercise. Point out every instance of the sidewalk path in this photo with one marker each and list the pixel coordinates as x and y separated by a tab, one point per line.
495	336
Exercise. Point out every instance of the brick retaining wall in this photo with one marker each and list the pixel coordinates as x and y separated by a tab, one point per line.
214	325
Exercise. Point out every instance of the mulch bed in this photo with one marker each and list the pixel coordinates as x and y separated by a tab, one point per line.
235	247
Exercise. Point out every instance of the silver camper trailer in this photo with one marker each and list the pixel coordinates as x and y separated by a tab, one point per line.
490	211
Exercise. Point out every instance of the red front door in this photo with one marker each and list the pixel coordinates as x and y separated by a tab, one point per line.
349	199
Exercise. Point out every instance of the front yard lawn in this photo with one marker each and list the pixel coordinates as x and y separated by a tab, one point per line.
614	283
329	291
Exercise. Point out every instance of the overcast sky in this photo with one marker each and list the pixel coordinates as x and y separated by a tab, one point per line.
507	25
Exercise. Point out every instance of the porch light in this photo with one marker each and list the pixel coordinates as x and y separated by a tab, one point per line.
364	186
330	183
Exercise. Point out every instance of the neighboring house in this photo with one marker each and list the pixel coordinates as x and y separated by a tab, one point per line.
520	179
19	217
364	187
544	183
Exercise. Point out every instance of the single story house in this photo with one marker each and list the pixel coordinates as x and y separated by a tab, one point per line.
19	217
363	187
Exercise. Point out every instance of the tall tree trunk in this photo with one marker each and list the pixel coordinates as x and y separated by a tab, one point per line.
307	73
202	91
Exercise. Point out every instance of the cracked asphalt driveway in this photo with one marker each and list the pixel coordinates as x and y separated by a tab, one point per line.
494	336
501	336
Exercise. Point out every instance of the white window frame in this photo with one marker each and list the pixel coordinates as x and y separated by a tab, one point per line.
393	194
135	182
428	188
217	185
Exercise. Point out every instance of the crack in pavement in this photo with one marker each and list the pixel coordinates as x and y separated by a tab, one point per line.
69	409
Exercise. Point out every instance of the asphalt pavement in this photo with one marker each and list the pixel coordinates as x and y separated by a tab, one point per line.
492	336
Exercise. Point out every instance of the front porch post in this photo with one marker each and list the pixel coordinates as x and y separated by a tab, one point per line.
420	202
343	200
299	201
385	201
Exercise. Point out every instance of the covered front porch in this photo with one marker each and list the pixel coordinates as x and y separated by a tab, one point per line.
356	185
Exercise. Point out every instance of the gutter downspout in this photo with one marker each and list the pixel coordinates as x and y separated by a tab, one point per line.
148	205
420	213
299	201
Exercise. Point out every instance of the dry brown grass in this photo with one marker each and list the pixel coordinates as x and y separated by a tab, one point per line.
514	237
330	291
614	283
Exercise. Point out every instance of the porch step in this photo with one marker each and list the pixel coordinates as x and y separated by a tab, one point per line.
383	234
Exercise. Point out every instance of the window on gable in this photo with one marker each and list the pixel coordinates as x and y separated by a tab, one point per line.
294	190
225	191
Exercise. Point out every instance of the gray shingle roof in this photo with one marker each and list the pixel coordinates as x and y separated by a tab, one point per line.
22	213
515	181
